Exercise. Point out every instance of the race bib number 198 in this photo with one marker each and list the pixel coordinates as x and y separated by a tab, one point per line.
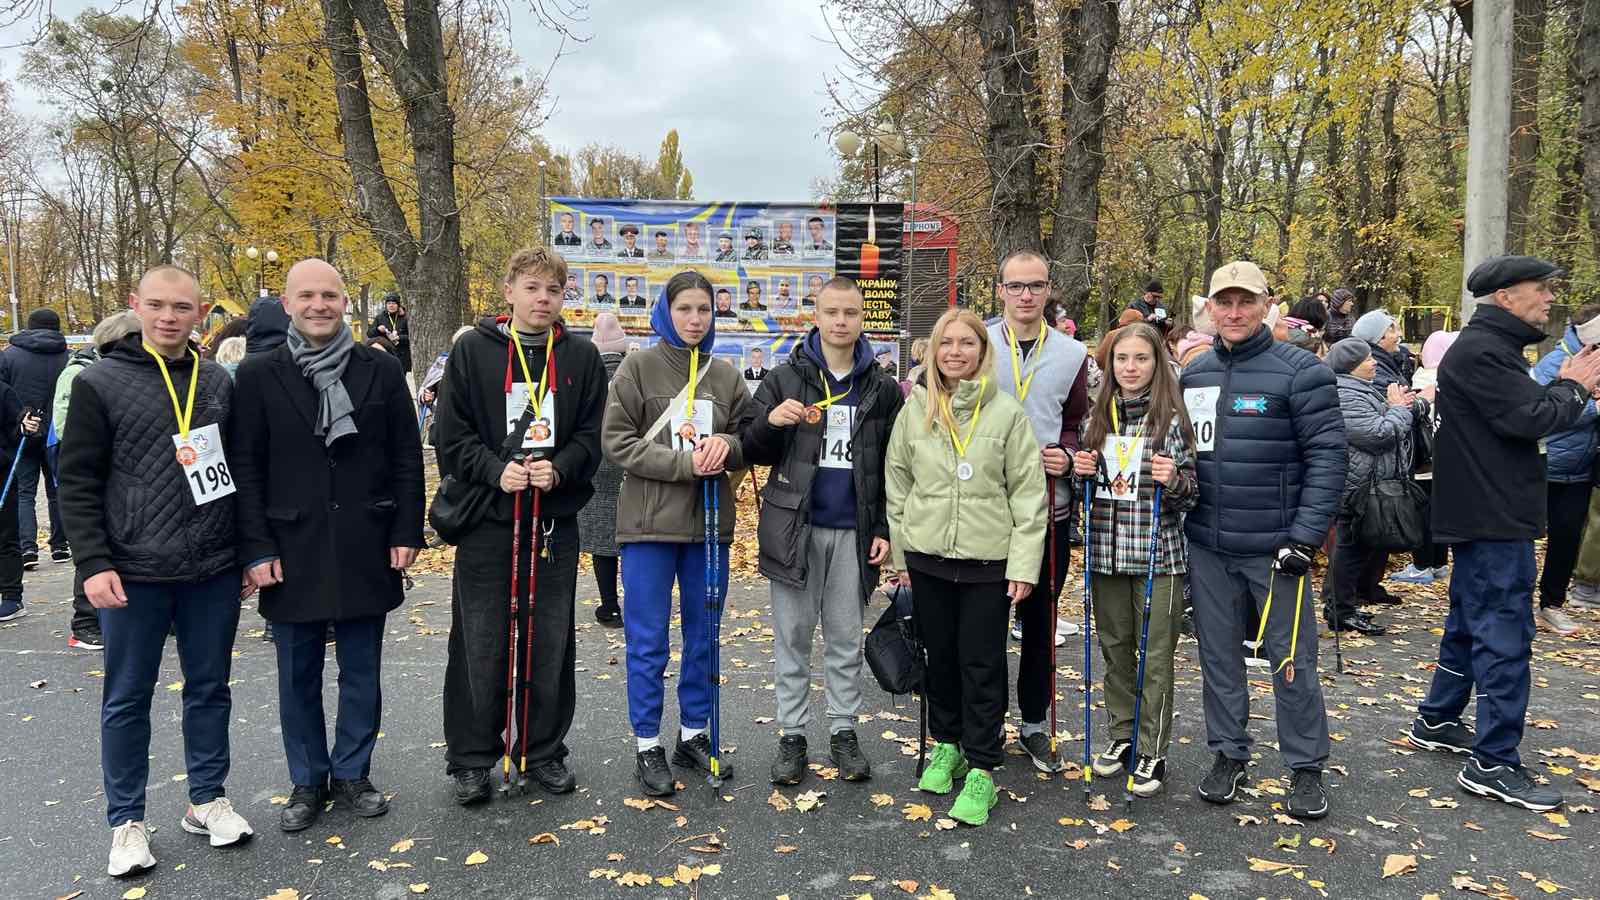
205	469
1202	405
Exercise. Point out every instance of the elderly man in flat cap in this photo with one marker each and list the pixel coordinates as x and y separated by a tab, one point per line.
1489	502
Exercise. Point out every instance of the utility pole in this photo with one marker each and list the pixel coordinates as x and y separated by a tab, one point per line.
1488	139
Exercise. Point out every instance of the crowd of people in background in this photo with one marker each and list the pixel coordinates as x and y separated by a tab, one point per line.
1201	467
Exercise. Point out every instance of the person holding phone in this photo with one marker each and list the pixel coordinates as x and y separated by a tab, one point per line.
670	423
966	509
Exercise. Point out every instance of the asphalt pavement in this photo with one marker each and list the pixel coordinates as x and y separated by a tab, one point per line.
1391	807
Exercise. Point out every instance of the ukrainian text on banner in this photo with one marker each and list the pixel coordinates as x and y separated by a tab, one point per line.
765	261
869	252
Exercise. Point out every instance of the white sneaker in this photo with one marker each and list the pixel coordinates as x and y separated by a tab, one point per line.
1413	575
1016	631
218	821
1066	629
1584	596
1558	621
130	850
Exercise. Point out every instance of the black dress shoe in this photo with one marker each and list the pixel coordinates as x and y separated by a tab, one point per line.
361	797
654	774
695	754
1359	624
554	776
304	808
472	786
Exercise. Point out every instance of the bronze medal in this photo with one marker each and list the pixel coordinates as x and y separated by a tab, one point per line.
813	415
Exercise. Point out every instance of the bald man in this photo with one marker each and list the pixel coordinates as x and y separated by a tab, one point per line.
328	464
148	497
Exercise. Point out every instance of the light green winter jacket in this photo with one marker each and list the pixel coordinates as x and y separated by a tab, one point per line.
998	514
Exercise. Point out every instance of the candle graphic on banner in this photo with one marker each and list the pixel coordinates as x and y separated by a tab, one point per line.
869	250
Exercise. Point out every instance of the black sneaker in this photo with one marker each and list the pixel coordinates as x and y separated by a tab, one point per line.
554	776
845	751
1113	759
1148	776
609	616
86	639
472	786
11	607
303	809
1037	745
1448	737
1307	799
695	753
654	775
1223	781
62	555
790	765
1508	784
360	797
30	561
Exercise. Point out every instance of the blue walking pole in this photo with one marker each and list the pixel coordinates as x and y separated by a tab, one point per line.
714	623
1088	661
1144	643
11	476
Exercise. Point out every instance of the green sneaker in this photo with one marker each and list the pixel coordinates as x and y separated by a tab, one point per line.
945	765
976	799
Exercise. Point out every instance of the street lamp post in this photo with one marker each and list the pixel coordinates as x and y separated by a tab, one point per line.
254	255
849	143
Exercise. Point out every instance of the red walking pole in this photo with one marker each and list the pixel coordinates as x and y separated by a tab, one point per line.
511	634
1050	537
527	653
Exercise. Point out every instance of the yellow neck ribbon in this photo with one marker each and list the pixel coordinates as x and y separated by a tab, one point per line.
829	397
956	441
1123	448
184	414
535	398
694	378
1018	361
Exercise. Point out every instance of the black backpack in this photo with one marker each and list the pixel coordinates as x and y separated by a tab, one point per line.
892	649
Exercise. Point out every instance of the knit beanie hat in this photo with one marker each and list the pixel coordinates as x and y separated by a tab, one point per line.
608	336
1370	327
44	318
1344	356
1433	349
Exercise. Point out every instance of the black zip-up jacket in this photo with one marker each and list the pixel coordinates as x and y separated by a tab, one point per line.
1488	473
123	495
793	452
471	407
31	365
1277	473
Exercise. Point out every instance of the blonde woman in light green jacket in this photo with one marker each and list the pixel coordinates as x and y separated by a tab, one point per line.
967	523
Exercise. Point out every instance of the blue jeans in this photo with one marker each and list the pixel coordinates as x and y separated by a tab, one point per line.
206	615
648	570
1488	640
301	647
34	464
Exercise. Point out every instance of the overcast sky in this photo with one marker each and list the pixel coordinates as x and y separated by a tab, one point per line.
742	82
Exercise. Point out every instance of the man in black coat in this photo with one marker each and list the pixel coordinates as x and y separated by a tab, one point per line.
1489	502
822	420
31	366
519	413
14	427
394	324
329	468
1270	456
148	499
267	326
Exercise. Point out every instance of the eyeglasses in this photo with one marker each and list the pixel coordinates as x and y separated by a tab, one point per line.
1015	288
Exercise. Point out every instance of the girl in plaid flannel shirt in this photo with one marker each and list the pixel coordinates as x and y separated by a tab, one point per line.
1138	434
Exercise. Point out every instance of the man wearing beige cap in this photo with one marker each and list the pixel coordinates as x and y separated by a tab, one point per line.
1270	450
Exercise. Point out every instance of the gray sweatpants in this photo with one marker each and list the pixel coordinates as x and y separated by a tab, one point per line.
1222	586
833	592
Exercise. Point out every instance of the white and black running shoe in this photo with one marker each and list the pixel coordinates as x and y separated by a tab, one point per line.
1445	737
1508	784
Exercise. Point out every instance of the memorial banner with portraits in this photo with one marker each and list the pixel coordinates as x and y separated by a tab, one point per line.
743	350
765	261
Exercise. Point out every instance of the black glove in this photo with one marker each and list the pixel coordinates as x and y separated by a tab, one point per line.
1294	560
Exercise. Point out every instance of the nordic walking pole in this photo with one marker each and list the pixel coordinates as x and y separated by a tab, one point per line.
713	554
1050	595
527	638
1088	604
511	631
1144	645
10	476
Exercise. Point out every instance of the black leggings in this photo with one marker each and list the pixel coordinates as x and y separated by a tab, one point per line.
605	574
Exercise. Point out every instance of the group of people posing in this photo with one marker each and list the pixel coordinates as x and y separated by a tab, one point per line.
303	480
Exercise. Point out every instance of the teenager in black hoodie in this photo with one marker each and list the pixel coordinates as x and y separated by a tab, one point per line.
822	420
509	365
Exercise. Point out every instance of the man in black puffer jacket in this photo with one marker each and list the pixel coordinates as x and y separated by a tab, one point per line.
1271	460
148	500
31	366
822	420
1489	497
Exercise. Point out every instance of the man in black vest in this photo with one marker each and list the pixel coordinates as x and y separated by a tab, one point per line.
147	496
328	462
553	398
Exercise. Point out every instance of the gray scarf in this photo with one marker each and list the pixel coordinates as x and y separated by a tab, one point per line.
325	367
